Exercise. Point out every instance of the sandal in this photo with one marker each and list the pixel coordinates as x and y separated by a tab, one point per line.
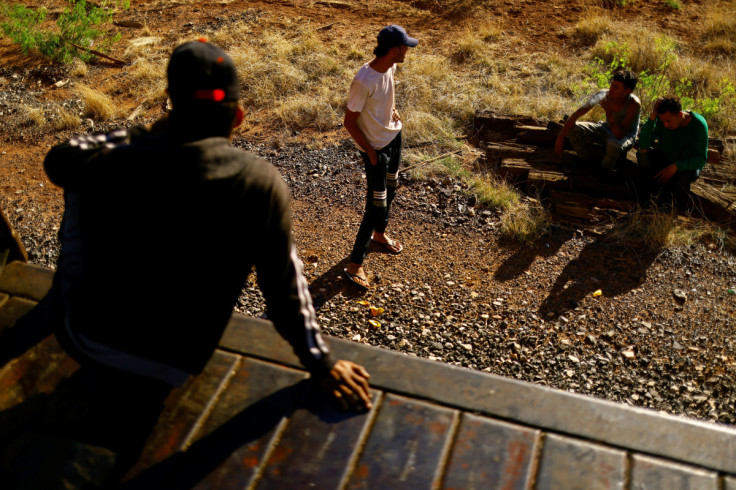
393	246
357	280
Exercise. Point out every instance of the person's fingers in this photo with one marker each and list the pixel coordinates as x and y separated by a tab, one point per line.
361	371
340	399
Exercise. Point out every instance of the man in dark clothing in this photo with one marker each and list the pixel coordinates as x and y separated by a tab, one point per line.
160	231
673	149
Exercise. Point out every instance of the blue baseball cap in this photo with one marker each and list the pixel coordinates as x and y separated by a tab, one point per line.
394	35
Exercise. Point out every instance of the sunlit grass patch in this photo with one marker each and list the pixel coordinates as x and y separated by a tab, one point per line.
473	44
590	28
302	110
63	118
78	68
525	222
494	193
96	104
658	228
34	115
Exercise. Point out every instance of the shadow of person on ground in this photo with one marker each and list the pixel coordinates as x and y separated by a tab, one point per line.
520	261
333	282
614	269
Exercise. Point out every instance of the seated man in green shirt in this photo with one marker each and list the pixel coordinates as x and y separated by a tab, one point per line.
673	148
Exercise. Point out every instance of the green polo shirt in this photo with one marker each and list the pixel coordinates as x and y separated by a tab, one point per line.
686	147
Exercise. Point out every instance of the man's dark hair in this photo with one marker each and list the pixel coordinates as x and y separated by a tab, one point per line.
627	77
669	104
379	50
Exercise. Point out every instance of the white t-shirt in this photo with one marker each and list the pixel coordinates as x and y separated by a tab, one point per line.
372	94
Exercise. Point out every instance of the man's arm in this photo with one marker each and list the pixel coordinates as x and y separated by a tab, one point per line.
560	143
66	164
351	124
290	304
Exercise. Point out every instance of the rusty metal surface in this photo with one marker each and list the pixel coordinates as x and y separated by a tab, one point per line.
490	454
316	446
405	446
574	464
251	420
655	474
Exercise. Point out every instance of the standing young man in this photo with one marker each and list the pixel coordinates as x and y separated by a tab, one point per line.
605	141
673	148
374	124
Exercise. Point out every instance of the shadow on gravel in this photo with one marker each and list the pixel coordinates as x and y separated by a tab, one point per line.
332	283
615	270
520	261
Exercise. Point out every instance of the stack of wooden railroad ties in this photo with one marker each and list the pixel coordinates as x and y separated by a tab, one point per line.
520	151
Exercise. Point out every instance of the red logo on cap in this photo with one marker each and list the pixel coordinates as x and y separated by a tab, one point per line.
202	39
217	95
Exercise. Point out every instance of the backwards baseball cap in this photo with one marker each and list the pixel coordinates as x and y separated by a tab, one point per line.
200	71
394	35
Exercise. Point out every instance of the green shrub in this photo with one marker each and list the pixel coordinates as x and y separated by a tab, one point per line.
79	28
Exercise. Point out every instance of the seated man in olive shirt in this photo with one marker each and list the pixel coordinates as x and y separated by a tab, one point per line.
673	149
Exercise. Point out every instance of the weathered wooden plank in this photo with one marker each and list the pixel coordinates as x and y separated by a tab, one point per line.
491	121
491	454
316	446
513	170
573	211
539	136
539	181
405	447
586	200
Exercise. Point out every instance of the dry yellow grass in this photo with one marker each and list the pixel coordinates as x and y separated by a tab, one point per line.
34	115
96	104
78	69
591	27
64	118
525	222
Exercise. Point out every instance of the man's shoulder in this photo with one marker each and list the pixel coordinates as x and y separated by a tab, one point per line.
699	120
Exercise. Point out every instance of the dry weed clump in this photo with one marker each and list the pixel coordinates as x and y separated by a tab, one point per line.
96	104
33	115
494	193
525	222
78	69
643	48
590	28
63	118
651	228
303	110
473	46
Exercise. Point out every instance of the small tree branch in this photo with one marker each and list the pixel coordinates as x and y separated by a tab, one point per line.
97	53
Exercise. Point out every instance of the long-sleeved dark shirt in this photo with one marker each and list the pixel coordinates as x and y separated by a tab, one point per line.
158	239
685	147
